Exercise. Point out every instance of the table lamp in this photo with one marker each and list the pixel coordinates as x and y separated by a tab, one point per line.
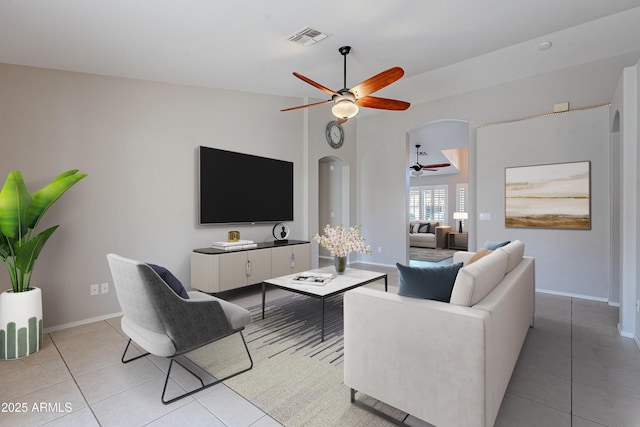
460	216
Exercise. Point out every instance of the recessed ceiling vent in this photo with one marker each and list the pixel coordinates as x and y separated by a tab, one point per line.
307	36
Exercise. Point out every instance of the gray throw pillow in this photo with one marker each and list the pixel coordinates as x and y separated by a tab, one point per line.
491	245
435	283
170	280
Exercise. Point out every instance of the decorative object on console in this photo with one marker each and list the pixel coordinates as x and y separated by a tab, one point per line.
341	242
280	232
234	246
460	216
347	101
20	214
233	236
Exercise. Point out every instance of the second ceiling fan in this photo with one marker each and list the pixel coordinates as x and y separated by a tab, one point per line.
347	101
432	167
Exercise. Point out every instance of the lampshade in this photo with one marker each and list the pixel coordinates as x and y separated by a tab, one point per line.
345	109
460	215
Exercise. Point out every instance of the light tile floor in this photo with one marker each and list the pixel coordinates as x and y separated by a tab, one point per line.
574	370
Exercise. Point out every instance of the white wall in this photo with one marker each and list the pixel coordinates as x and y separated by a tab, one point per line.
382	146
574	262
137	141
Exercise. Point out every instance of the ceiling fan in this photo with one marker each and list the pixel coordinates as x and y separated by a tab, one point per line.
433	167
347	101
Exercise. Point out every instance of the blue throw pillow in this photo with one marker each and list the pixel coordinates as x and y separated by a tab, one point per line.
491	245
434	283
170	280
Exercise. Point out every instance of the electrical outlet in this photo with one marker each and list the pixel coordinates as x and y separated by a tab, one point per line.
94	289
104	288
379	250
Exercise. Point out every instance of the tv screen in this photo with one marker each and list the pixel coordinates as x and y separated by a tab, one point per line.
240	188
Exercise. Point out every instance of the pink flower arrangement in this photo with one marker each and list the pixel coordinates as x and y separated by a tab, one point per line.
341	242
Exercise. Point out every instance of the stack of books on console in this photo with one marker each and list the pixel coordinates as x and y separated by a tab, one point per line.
234	246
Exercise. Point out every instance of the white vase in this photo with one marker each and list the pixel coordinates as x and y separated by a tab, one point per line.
20	323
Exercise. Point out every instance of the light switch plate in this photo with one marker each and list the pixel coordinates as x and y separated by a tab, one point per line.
485	216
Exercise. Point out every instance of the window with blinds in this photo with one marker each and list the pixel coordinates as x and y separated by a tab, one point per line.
428	203
461	198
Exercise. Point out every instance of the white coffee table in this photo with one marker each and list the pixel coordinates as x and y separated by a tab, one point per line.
350	279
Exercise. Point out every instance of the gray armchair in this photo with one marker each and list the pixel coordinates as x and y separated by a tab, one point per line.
166	325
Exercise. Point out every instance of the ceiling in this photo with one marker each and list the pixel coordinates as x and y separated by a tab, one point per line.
242	45
445	46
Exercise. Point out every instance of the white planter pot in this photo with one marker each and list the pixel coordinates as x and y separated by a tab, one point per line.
20	323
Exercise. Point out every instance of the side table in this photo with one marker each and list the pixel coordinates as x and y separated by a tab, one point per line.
458	240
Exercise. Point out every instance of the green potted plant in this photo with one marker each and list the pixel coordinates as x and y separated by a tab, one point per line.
20	245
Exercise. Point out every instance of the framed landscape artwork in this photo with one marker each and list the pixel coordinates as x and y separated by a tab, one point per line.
549	196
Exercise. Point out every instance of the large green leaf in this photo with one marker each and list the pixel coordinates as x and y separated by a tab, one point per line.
46	196
27	253
14	204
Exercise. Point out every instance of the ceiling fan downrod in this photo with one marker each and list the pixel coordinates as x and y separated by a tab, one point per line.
344	51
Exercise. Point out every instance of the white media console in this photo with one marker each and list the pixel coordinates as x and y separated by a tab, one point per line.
214	270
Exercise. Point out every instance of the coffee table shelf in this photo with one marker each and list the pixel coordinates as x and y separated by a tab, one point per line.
350	279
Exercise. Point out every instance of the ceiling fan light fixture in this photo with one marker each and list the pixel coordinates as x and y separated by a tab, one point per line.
345	109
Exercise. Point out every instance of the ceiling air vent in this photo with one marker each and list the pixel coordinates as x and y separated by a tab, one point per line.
307	36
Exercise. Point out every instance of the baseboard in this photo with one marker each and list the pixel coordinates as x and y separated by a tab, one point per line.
636	339
613	304
572	295
625	334
81	322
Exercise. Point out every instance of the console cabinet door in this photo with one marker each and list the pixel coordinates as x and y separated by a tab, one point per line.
205	274
290	259
233	270
259	266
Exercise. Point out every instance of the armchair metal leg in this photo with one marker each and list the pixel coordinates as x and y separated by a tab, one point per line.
203	386
133	358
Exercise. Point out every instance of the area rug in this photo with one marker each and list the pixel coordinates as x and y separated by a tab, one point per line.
428	254
296	378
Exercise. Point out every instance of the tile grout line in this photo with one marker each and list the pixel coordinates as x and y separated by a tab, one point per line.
75	381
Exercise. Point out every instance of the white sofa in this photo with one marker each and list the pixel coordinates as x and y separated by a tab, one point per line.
436	238
446	363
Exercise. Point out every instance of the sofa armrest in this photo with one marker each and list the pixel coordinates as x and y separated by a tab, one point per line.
442	232
420	356
462	256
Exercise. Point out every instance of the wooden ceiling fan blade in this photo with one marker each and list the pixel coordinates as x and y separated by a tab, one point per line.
307	105
377	82
314	84
434	166
382	103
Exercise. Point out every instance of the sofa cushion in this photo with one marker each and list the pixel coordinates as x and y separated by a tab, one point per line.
490	244
515	252
433	283
475	281
170	280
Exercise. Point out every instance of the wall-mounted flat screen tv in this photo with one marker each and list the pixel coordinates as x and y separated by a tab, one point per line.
243	188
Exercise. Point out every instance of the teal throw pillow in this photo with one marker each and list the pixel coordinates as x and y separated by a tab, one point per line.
435	283
492	246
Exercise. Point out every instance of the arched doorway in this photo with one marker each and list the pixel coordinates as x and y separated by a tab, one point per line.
616	212
435	193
